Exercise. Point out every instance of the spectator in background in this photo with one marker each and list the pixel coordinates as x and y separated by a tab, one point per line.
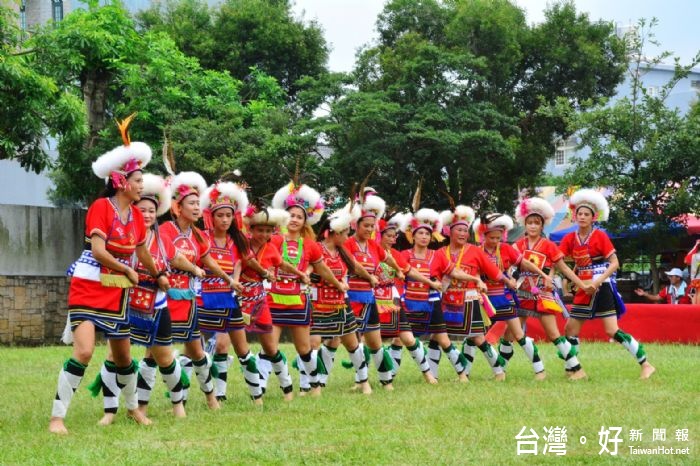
674	293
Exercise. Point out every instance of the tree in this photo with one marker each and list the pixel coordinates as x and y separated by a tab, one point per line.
241	34
646	152
451	93
215	122
33	105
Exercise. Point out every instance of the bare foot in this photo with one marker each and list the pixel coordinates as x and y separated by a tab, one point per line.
212	402
389	387
56	426
303	393
578	375
647	370
179	410
540	376
429	378
500	377
143	409
363	388
258	401
106	420
315	391
289	396
356	387
463	377
138	417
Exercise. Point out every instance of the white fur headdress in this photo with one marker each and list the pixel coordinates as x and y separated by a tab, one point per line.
122	160
425	218
371	205
534	206
224	194
399	221
269	216
593	200
185	183
460	215
340	219
157	190
492	222
303	196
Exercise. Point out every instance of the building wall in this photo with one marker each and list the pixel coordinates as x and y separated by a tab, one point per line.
39	241
682	97
37	244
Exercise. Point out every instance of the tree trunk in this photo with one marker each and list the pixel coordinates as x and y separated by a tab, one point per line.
654	271
95	95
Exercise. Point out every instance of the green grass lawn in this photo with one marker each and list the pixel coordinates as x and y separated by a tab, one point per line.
415	424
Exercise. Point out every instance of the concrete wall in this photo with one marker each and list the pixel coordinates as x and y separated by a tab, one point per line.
37	244
39	241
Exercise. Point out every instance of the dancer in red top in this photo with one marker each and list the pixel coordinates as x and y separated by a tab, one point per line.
363	247
192	243
288	299
537	298
423	303
218	308
263	222
692	259
149	316
392	316
98	293
462	307
492	230
333	317
596	263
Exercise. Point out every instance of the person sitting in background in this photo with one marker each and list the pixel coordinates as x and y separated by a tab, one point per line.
674	293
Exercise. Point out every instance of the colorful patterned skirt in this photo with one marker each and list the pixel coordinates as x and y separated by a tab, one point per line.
425	318
89	300
333	322
254	308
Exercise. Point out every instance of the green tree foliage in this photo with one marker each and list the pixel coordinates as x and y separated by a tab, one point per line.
241	34
216	123
33	105
645	151
451	92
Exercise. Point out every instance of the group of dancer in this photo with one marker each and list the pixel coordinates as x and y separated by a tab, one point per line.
256	269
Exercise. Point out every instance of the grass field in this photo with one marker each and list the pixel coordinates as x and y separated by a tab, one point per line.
416	424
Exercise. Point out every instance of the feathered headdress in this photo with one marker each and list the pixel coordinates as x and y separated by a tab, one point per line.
593	200
398	221
259	215
156	189
303	196
118	163
424	218
340	220
223	194
185	183
457	215
492	222
534	206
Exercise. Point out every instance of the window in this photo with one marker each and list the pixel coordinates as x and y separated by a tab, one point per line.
560	157
57	10
695	84
652	91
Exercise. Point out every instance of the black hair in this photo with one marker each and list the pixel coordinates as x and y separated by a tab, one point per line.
238	238
344	254
110	190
